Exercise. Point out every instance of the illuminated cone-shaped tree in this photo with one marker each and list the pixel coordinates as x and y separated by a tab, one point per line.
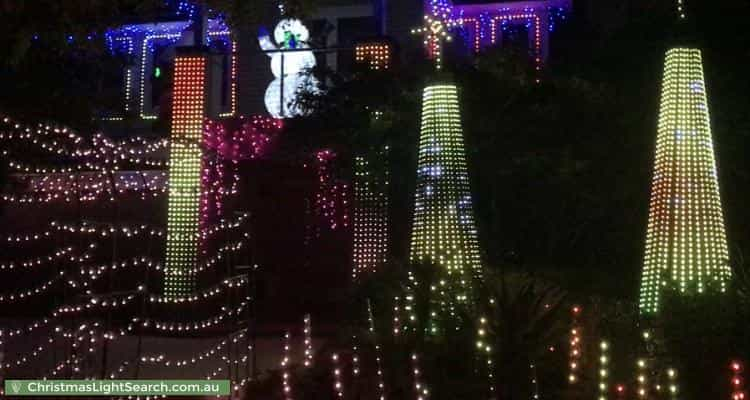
686	247
444	231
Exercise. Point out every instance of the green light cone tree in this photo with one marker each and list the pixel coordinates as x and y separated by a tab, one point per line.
370	215
686	245
444	232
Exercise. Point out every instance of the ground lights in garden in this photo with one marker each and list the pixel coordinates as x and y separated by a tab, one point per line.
738	385
575	345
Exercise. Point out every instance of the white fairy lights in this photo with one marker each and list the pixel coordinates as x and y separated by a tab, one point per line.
307	333
686	245
285	375
575	346
370	216
603	370
672	380
642	378
419	387
338	386
484	348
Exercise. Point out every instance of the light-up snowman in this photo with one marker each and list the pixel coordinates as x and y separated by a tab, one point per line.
290	35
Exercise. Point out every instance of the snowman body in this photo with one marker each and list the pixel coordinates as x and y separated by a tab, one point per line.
289	62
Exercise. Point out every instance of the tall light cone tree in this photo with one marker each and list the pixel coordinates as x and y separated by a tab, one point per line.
686	246
444	231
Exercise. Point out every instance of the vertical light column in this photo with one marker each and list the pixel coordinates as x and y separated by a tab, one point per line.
686	245
185	156
444	231
575	346
370	248
603	370
370	215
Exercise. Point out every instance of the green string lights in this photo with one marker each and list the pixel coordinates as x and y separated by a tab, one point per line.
686	245
184	174
444	231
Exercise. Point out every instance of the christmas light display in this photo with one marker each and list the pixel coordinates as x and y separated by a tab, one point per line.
338	386
738	391
24	294
534	382
397	319
686	245
575	345
444	231
483	25
285	361
436	31
184	173
485	348
146	38
195	359
355	356
419	387
226	146
370	216
377	55
307	333
603	370
378	359
642	378
331	200
673	388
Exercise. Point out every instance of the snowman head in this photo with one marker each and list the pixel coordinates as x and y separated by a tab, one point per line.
290	33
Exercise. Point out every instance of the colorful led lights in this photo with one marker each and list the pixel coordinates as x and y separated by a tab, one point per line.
444	231
185	174
686	245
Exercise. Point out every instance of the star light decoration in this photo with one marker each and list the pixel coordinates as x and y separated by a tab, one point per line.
436	29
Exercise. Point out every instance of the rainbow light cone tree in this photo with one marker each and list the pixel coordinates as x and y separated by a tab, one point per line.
686	245
444	231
